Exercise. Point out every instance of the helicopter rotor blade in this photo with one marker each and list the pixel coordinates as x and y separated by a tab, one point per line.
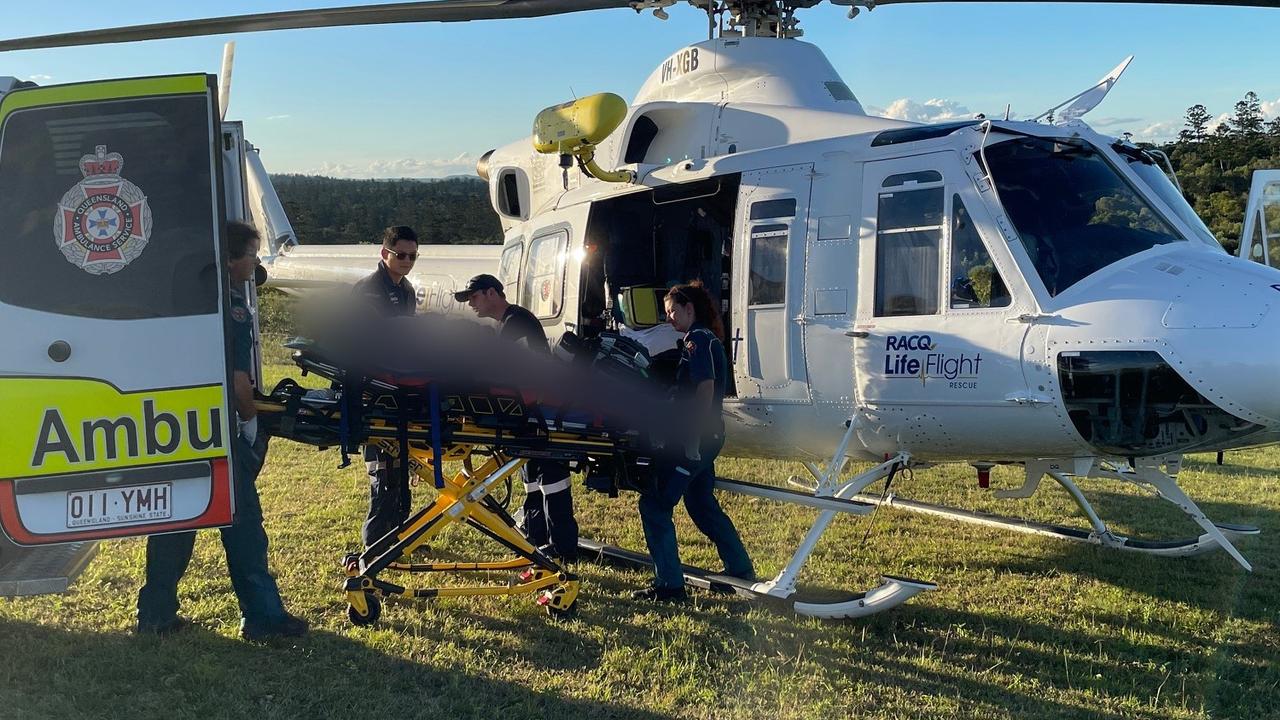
224	78
406	12
1242	3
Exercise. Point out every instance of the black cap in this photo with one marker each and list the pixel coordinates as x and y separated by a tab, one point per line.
478	283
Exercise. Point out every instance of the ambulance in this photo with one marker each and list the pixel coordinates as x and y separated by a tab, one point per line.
116	415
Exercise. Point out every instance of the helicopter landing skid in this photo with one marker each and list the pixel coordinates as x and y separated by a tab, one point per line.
1215	536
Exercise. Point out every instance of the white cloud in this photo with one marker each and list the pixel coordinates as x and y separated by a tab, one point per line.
40	78
930	111
279	117
1157	132
463	164
1103	122
1271	108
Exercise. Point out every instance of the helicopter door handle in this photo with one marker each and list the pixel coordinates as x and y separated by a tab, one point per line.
860	334
801	319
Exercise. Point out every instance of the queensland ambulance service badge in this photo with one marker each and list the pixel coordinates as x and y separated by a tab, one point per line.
104	222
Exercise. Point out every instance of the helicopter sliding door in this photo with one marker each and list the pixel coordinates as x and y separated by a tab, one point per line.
937	311
768	335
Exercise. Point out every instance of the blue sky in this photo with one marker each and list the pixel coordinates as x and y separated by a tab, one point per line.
426	100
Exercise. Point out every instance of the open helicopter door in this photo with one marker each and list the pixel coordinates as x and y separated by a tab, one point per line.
937	331
767	343
1260	241
115	414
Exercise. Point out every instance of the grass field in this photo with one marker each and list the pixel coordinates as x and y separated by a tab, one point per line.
1020	627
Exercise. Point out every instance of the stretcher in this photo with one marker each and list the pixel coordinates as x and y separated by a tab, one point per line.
488	431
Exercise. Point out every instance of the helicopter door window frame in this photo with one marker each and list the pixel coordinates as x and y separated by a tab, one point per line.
992	284
916	206
511	285
552	270
769	244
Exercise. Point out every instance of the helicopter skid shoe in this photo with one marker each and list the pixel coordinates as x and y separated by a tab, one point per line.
1205	543
892	592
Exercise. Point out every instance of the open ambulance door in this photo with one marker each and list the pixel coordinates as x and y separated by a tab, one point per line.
115	404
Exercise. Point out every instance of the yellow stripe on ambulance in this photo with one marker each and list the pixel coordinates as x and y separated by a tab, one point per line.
62	425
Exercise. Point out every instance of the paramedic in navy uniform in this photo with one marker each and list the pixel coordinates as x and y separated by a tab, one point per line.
548	505
700	383
390	295
245	541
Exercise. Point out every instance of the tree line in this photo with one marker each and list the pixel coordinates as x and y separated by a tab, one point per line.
1215	162
329	211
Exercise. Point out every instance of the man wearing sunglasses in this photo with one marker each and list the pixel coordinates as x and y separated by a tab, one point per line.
390	294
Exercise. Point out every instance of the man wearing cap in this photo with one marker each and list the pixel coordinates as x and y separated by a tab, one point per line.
548	504
389	293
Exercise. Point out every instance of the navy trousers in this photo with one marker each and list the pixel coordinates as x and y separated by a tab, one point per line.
548	508
389	497
245	542
694	481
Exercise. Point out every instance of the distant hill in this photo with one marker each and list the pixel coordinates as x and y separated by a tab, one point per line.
329	211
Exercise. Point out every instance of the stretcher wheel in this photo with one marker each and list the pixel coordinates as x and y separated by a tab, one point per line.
374	605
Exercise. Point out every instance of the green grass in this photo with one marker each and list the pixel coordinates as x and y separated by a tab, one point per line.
1020	627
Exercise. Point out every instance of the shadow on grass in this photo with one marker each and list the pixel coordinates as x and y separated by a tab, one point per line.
51	672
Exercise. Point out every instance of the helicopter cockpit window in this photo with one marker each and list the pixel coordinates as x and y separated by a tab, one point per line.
1147	167
975	281
1074	213
542	290
908	234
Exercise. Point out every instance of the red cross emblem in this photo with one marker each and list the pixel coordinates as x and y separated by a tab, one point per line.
103	223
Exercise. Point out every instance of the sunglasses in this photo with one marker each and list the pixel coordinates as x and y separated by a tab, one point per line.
402	255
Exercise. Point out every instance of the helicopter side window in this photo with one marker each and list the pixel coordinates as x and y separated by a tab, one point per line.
542	289
509	267
908	234
768	268
975	281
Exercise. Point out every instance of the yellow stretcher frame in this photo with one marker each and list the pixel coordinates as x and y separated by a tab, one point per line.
464	499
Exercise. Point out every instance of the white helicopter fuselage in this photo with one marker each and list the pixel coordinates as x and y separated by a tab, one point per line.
811	190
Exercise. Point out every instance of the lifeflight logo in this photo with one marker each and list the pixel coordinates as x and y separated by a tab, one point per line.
916	356
56	425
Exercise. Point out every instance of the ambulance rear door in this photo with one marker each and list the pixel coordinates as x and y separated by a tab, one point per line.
115	405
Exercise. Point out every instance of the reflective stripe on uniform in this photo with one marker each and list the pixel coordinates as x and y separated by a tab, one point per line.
374	466
555	487
532	487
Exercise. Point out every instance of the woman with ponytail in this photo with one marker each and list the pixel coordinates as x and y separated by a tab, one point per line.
700	381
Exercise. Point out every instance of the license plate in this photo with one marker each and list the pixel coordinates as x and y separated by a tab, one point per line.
119	505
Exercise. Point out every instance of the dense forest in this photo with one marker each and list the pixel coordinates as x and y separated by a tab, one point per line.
327	211
1214	165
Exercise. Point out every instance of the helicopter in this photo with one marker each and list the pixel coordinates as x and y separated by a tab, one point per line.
988	291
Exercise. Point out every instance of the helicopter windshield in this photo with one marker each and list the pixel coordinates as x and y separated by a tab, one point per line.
1146	165
1073	211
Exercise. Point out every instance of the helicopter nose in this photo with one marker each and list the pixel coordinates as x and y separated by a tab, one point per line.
1225	334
